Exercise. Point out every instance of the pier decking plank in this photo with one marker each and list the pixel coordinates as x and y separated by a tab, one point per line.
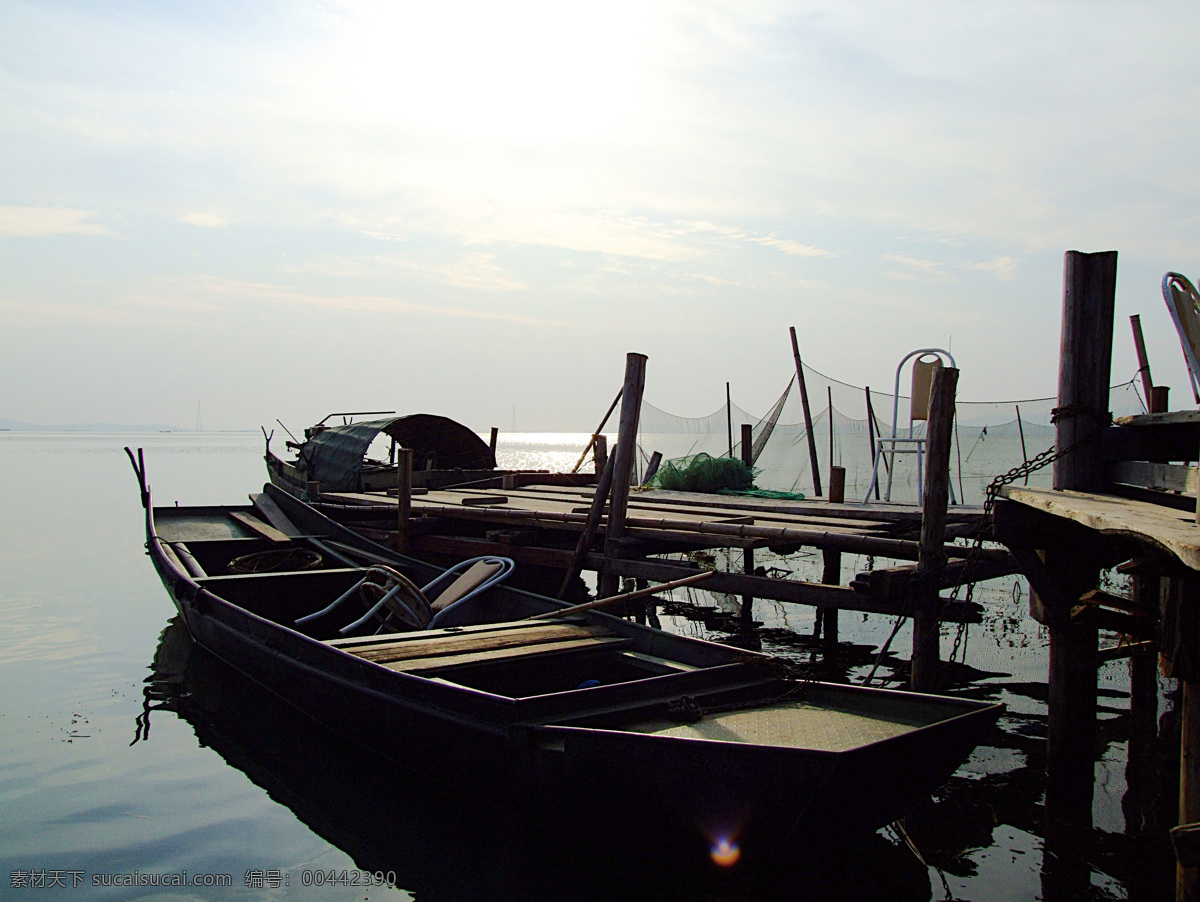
1172	530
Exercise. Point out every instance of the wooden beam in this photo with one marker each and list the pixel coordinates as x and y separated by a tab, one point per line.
808	426
631	409
926	654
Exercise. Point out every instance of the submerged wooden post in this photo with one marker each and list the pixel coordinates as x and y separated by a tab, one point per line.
831	572
926	654
404	464
812	439
747	611
1085	362
631	407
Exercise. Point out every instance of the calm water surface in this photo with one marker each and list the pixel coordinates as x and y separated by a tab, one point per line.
128	755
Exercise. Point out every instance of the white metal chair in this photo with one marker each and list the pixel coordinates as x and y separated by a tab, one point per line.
1184	304
928	361
400	601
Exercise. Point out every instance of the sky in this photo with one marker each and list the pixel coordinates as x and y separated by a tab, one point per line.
477	209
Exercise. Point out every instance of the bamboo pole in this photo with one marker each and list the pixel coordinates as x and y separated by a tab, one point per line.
590	524
871	436
729	419
808	426
599	429
1021	430
628	596
631	408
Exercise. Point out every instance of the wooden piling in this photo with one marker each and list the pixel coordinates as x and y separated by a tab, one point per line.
631	407
1139	345
926	654
1085	362
808	426
404	469
747	610
600	443
831	572
493	441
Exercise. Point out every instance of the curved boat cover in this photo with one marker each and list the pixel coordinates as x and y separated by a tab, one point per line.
334	456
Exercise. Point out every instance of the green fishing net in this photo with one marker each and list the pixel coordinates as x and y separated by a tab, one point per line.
703	473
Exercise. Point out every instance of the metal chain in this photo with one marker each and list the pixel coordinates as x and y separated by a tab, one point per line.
1032	465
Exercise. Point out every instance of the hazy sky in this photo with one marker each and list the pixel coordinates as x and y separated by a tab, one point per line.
283	209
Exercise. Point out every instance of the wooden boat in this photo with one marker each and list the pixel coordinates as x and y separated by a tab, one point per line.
715	754
445	452
395	823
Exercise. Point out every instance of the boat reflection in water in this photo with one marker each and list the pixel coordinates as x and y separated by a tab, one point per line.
442	843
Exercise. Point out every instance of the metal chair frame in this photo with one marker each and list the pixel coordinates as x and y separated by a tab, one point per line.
909	444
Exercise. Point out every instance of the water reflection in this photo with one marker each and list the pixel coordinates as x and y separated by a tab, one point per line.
444	844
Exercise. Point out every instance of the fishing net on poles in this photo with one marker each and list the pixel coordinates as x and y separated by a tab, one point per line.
989	437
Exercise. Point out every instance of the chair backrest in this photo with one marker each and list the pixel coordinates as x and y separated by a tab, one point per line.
923	369
478	574
1184	304
928	361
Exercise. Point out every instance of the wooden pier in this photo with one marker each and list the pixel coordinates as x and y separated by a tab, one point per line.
1124	500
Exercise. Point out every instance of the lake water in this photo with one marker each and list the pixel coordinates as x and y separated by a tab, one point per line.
127	757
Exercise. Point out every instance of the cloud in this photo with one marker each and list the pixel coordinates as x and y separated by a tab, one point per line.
919	270
205	220
1002	267
40	222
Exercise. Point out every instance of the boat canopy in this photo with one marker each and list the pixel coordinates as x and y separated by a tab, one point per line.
335	456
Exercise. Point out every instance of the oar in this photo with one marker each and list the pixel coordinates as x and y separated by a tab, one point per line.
628	596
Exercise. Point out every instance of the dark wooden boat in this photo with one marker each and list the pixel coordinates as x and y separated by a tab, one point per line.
336	458
717	755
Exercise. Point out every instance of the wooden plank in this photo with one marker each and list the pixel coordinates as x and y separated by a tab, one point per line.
591	643
483	500
1144	474
257	526
1172	530
785	590
433	635
462	644
1172	418
266	506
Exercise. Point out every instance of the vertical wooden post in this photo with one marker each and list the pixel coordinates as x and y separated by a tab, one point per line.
492	443
729	418
871	430
1147	592
1187	880
812	439
831	572
1139	345
404	465
631	407
652	467
1085	363
312	491
600	443
926	654
747	611
829	395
